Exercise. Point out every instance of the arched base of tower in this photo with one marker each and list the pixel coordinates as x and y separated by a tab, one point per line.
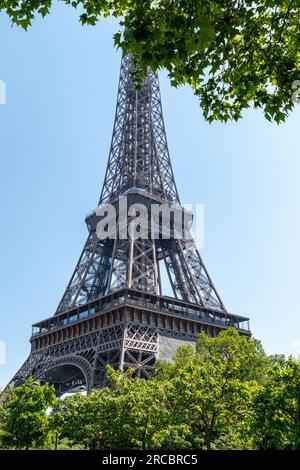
126	329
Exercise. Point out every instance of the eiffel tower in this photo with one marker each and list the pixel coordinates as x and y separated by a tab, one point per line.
113	309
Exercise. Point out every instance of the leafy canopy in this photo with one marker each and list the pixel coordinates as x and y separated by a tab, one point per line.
25	422
233	53
201	400
126	416
276	419
223	394
213	387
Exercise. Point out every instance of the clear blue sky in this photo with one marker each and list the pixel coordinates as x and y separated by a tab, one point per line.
55	132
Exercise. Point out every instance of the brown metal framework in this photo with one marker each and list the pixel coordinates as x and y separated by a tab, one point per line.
139	163
113	310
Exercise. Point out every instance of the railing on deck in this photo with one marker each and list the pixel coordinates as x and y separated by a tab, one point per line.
146	301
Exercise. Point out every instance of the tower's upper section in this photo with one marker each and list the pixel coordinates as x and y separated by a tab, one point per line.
135	245
139	156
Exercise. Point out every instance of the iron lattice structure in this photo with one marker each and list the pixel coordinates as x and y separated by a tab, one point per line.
113	309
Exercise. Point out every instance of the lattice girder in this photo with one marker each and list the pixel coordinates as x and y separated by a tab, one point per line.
139	169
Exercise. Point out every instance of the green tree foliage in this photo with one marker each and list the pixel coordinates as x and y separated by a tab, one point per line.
213	387
25	422
201	400
276	423
5	398
224	393
126	416
233	53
